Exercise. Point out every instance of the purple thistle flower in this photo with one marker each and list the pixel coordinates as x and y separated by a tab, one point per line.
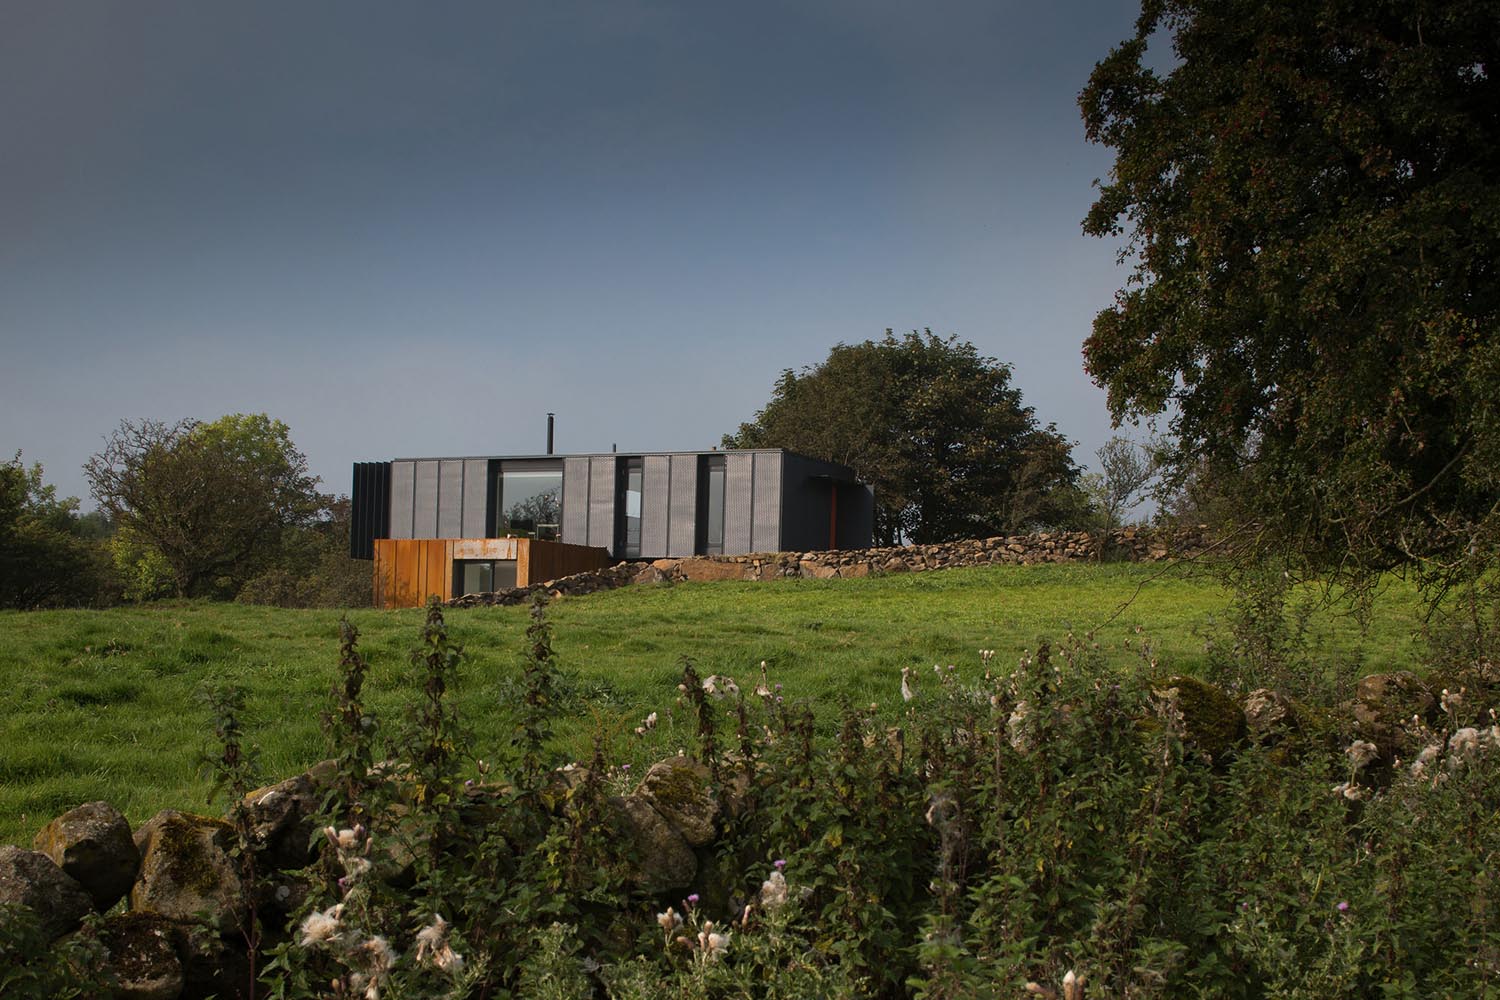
779	863
693	898
1343	906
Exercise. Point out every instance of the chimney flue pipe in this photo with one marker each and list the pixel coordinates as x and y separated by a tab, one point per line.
549	432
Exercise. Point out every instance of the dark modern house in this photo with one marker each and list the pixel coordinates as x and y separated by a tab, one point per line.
495	522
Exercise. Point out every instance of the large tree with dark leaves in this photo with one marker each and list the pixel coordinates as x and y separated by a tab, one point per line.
1308	195
936	428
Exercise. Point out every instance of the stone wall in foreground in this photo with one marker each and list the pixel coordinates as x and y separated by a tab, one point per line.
1123	545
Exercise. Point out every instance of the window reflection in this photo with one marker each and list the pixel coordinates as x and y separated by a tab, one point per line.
530	503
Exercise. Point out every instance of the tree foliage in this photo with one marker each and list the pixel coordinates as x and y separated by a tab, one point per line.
213	499
48	552
936	428
1309	196
1126	469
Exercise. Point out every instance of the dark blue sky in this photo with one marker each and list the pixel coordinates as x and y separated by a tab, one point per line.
415	228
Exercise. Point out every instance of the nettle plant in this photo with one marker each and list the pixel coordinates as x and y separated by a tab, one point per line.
1053	827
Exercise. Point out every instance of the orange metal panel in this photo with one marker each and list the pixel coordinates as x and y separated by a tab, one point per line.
407	570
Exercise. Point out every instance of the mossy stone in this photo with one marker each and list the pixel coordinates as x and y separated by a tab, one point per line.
1214	723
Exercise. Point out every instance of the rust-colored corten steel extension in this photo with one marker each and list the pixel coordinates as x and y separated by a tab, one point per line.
409	570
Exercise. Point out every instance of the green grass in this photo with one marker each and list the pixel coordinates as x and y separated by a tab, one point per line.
102	705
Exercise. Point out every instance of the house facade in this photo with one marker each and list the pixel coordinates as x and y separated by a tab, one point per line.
627	506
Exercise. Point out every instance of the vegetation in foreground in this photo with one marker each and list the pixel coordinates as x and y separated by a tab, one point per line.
102	704
1067	825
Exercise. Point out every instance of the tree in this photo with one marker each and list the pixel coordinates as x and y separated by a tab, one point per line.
937	429
49	554
1309	196
1119	487
212	499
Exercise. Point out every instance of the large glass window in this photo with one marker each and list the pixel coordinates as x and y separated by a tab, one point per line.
484	576
629	528
529	500
711	506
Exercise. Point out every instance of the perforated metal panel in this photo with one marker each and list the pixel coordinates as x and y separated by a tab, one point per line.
476	498
739	477
575	501
424	501
450	499
766	527
602	502
403	491
682	528
655	501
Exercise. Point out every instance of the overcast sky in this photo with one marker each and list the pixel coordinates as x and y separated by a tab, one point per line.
412	229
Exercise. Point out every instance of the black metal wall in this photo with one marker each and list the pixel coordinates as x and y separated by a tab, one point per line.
773	501
369	508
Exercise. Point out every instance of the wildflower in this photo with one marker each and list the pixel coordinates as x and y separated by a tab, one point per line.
651	721
670	920
449	961
778	687
1350	791
1464	741
1343	906
430	938
773	892
711	686
321	926
906	692
693	899
715	944
376	956
1072	986
343	840
779	864
1452	701
1018	728
1361	753
1424	759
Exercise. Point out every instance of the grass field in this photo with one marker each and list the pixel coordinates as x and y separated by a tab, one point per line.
102	705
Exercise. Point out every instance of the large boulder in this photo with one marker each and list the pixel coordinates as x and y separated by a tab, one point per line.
281	815
659	859
704	570
93	844
681	789
33	880
1213	722
142	956
187	873
1270	716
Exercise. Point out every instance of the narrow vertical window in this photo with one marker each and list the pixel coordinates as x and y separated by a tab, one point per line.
711	506
631	476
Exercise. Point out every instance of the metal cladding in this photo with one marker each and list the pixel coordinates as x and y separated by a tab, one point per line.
773	500
369	508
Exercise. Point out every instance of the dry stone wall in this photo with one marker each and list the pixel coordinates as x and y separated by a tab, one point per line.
1124	545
